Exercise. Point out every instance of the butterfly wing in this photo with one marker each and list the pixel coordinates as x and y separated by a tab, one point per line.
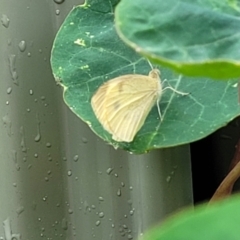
122	104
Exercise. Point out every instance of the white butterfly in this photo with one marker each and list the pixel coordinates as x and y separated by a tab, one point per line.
122	104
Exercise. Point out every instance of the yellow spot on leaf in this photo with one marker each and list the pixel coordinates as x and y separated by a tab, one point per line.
80	42
84	67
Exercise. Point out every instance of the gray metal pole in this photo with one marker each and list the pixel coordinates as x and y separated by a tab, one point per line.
57	179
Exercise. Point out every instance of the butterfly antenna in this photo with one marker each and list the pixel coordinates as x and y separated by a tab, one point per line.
150	64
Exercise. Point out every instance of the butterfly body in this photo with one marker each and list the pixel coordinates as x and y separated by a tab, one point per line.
122	104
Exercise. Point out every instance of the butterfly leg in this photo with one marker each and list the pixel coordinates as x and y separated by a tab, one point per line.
159	111
173	89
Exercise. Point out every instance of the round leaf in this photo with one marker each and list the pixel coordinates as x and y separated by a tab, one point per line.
196	38
87	52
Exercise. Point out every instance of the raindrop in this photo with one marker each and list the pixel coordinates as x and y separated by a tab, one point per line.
48	145
15	184
36	155
75	158
119	193
98	223
101	199
38	136
5	21
132	212
16	236
122	184
64	224
8	124
101	214
124	226
168	179
29	54
22	46
9	90
57	12
23	143
31	92
12	67
45	198
130	236
70	211
20	210
109	170
84	140
69	173
7	229
58	1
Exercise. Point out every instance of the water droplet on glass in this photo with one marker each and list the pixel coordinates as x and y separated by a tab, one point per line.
36	155
57	12
84	140
98	223
23	142
69	173
22	46
48	145
130	236
131	212
31	92
38	136
12	67
5	21
101	214
29	54
101	199
64	224
9	90
15	184
75	158
8	124
119	193
58	1
109	170
168	179
70	211
20	210
45	198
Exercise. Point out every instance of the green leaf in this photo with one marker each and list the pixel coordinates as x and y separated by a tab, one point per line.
218	221
196	38
87	52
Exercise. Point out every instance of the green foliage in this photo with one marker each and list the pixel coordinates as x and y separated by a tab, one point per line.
87	52
196	38
218	221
